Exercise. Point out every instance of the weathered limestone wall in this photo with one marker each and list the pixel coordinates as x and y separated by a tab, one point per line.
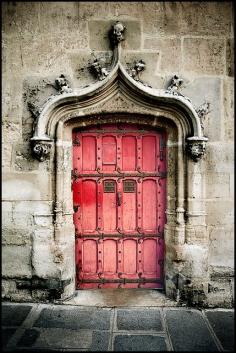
43	40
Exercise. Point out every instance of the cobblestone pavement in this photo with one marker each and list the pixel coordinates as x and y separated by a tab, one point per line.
46	327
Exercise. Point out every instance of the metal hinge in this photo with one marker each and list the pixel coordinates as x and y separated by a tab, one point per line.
74	174
76	141
162	146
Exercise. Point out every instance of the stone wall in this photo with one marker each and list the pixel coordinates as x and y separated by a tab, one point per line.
43	40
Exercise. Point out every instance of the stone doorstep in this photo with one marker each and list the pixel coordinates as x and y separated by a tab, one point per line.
120	298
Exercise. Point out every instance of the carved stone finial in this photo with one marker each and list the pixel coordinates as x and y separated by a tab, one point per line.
196	147
41	149
117	32
62	84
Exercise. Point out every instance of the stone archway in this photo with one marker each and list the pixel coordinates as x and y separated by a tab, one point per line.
118	98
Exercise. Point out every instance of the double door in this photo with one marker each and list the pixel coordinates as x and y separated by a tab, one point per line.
119	197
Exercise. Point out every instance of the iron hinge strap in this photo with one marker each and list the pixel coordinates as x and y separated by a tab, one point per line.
122	280
74	174
162	146
121	235
121	175
76	141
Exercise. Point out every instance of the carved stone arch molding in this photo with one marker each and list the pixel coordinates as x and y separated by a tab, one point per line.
120	96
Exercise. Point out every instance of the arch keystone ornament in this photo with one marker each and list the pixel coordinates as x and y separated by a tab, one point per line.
119	96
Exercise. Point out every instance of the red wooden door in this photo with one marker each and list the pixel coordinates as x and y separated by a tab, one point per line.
119	182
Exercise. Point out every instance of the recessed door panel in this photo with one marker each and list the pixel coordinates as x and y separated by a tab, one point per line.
130	256
89	205
129	206
149	153
89	153
110	256
109	153
109	209
89	256
129	151
149	205
150	256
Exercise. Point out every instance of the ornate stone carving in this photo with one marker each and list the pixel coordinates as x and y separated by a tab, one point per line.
62	84
135	71
174	87
98	69
138	67
117	32
202	111
33	109
41	149
196	147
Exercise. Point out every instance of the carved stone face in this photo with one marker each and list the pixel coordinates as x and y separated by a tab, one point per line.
196	151
118	30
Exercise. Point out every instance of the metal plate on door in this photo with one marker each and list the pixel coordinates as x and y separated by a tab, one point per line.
129	186
109	186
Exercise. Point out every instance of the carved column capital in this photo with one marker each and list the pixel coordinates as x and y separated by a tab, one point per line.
41	148
196	147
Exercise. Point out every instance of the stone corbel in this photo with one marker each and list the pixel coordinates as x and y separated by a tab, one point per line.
196	147
41	148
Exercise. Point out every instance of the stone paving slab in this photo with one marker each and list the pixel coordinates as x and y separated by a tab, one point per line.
189	332
57	338
222	323
139	319
74	318
41	339
140	343
14	315
100	341
48	328
6	334
29	337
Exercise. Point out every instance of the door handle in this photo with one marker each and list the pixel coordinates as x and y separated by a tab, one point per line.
119	198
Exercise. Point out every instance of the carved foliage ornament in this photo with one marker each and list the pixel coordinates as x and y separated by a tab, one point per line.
62	84
174	87
98	69
135	71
